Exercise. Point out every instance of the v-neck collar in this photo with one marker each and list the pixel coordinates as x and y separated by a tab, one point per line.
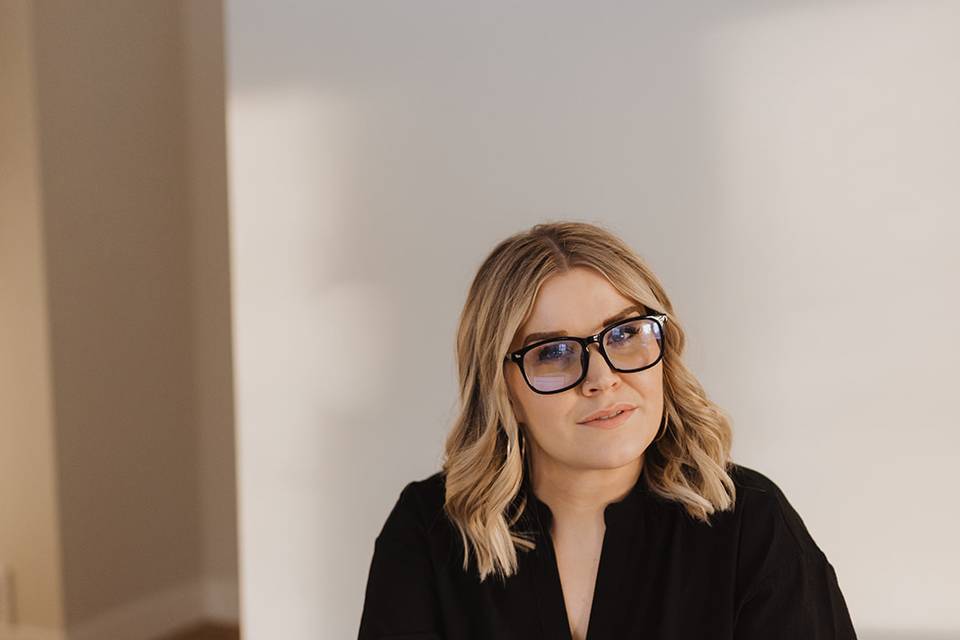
623	520
613	514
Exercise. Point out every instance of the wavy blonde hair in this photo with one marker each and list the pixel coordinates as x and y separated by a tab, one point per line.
483	461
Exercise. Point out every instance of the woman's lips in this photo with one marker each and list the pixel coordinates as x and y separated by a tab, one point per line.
610	423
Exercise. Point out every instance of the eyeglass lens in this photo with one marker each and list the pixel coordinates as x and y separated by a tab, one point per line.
558	364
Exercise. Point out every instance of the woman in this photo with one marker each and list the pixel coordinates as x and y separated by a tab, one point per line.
587	490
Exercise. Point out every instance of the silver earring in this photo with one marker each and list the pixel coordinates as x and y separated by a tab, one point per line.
663	428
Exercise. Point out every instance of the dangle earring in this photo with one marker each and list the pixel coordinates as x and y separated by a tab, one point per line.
519	441
524	462
663	427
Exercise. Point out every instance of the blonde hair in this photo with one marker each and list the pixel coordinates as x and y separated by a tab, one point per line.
483	462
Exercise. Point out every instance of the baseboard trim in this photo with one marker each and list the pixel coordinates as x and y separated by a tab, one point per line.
221	602
902	634
163	613
9	632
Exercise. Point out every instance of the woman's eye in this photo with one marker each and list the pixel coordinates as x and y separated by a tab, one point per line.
623	335
553	352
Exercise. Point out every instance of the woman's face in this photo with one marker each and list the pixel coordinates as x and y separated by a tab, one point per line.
576	303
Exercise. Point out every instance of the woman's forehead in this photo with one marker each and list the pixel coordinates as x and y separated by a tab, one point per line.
576	301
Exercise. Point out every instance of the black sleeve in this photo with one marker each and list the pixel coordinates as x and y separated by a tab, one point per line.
800	601
788	589
401	598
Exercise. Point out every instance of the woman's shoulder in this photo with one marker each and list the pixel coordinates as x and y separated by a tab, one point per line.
783	578
767	515
752	482
417	509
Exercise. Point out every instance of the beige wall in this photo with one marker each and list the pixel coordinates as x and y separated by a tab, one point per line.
203	74
29	521
117	231
130	165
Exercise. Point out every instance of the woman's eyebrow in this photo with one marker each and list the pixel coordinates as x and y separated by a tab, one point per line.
543	335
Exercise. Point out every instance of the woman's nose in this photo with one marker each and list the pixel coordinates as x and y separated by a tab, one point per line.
599	373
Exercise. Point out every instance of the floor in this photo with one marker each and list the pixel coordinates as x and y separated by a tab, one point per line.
206	632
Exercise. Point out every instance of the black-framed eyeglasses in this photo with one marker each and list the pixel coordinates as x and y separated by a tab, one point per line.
558	364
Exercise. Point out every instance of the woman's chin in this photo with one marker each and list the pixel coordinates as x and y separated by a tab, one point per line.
610	457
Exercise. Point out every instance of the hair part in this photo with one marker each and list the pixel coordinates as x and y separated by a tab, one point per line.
483	464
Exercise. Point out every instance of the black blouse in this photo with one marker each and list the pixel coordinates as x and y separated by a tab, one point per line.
754	573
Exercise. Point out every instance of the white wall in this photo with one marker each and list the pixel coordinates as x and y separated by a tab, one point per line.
785	168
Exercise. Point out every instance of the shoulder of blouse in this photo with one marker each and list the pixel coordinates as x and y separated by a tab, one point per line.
767	515
417	510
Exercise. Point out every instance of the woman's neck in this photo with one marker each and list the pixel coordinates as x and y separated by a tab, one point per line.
580	495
